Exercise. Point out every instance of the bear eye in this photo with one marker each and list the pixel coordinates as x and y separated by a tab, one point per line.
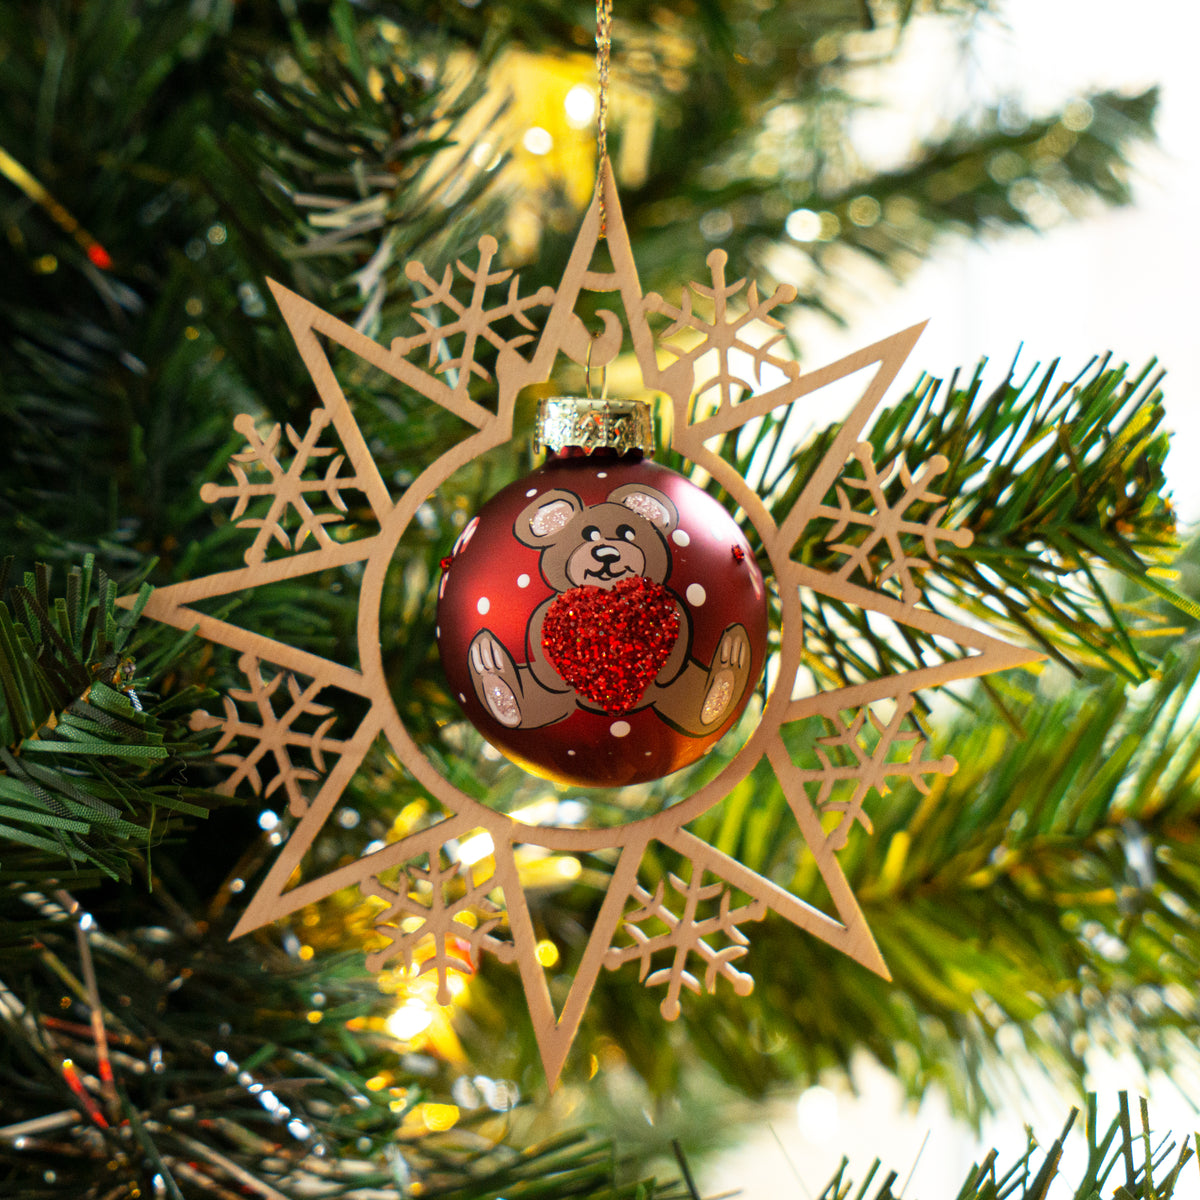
627	532
591	533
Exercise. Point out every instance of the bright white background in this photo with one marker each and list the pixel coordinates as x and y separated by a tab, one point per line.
1122	281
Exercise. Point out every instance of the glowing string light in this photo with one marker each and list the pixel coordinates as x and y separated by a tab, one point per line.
17	174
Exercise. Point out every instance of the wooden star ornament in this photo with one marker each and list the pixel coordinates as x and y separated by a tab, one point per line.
685	931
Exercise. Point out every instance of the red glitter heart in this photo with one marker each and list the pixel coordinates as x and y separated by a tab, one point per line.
609	644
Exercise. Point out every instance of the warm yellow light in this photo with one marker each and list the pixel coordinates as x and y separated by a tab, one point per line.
475	849
485	156
408	817
455	984
439	1117
411	1018
580	105
377	1083
305	953
864	210
804	225
537	140
314	1016
547	952
541	870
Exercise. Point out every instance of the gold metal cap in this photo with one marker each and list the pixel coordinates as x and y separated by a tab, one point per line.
591	425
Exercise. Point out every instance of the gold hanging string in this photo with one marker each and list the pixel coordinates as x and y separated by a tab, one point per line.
603	52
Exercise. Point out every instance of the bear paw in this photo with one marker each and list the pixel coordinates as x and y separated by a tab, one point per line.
495	676
727	676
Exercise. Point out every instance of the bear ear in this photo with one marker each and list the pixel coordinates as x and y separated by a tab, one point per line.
543	518
647	502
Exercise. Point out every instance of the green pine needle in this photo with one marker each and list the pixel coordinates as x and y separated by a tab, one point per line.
81	756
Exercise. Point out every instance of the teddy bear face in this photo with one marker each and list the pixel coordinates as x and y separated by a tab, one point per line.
601	544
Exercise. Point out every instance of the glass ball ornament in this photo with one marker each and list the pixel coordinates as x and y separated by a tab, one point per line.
602	621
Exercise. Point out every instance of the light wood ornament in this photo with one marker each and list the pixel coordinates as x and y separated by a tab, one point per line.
686	931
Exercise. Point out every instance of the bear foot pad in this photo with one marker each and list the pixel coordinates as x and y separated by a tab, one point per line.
490	663
727	678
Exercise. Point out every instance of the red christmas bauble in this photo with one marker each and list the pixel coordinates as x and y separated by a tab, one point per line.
602	621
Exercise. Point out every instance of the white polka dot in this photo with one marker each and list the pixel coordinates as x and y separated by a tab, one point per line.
462	698
649	753
531	492
680	537
696	595
483	604
522	581
619	728
570	753
437	632
601	474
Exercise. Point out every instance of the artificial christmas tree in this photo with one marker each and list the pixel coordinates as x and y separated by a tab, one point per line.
325	146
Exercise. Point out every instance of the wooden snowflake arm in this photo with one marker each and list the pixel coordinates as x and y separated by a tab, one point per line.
872	766
886	523
458	928
726	334
273	735
681	318
473	322
686	935
287	488
676	978
720	965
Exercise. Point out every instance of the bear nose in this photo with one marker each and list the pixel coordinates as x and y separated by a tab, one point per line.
606	554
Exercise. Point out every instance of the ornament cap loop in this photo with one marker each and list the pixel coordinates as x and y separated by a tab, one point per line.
590	425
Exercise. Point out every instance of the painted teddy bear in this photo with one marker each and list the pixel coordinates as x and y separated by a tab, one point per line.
619	547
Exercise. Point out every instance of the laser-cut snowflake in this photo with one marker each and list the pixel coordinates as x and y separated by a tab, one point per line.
274	735
470	321
288	489
687	934
426	913
886	522
724	336
870	767
285	889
